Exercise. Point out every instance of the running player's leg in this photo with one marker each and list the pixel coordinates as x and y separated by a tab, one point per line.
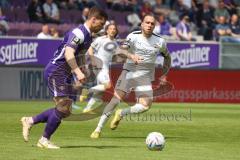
108	110
62	110
144	94
103	83
119	93
52	117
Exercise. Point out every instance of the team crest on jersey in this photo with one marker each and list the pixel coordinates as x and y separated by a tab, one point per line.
75	40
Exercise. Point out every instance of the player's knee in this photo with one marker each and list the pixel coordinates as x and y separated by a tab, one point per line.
107	85
145	101
119	94
115	100
140	108
65	110
64	105
145	107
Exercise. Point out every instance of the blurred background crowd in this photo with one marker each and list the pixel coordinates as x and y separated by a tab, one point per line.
185	20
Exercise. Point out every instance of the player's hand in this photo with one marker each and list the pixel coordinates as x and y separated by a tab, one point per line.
136	58
81	77
163	80
93	61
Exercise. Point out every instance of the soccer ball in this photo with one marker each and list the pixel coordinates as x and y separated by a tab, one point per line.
155	141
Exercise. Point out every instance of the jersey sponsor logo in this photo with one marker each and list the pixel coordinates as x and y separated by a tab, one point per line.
21	52
110	46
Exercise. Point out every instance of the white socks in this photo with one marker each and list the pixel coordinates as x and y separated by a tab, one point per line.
111	105
108	110
102	121
137	108
98	88
97	94
95	98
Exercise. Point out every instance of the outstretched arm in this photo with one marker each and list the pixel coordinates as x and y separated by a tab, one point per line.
123	51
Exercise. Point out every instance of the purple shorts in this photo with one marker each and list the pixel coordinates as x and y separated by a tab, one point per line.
60	81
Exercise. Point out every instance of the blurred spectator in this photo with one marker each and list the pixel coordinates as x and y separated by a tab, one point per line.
118	5
221	11
205	20
54	33
195	7
235	30
181	8
84	15
172	4
146	9
159	7
4	3
162	27
213	3
68	4
152	2
236	2
3	24
238	10
109	3
127	5
183	29
235	26
123	5
87	3
134	21
45	33
135	6
187	3
222	29
230	6
51	12
35	11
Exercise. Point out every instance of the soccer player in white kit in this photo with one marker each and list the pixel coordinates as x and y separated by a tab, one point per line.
101	52
137	76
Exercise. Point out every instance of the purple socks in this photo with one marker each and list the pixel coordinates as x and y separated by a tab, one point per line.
53	118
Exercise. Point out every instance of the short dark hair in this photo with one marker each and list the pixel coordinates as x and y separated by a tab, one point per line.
98	13
149	14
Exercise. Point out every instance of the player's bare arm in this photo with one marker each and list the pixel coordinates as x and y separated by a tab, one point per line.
70	58
124	50
166	64
91	54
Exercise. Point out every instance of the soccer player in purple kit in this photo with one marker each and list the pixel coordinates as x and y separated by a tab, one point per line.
59	73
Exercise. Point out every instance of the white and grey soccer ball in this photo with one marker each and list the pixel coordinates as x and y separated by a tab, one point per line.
155	141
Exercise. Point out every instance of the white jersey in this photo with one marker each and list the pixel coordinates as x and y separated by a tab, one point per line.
148	48
104	49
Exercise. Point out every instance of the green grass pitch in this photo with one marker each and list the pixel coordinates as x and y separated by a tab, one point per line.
192	131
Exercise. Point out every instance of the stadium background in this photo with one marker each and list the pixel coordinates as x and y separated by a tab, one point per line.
197	63
205	70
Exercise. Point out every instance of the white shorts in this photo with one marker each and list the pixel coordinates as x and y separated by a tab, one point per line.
103	76
139	82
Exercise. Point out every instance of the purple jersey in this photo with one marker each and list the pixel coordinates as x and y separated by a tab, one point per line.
58	72
78	38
